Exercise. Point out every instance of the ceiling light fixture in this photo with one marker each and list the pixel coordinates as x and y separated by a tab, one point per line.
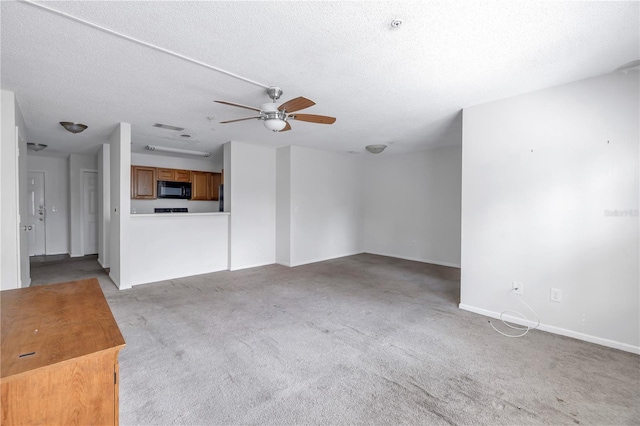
168	127
375	149
273	118
177	150
36	146
275	124
73	127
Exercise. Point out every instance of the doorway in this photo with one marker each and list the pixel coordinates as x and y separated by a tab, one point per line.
36	213
89	212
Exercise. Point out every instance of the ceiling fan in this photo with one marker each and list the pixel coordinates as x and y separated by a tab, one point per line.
276	117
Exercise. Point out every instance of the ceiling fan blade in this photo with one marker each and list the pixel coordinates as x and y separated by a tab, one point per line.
238	105
296	104
312	118
239	119
287	127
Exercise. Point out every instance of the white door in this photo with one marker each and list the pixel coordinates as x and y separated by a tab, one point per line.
90	212
36	214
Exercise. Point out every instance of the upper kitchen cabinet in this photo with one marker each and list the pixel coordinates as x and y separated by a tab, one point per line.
200	185
174	175
215	179
205	185
143	182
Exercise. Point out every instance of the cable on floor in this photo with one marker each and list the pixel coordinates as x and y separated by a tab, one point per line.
524	330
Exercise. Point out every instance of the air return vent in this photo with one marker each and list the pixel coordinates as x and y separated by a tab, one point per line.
168	127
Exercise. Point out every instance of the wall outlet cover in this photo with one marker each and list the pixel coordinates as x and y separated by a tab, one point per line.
556	295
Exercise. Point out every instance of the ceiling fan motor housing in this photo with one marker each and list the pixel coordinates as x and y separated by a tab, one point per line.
270	111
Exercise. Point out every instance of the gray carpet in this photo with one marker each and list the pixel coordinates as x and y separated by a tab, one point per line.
359	340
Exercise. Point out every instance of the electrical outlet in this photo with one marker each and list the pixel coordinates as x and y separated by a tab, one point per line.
517	287
556	295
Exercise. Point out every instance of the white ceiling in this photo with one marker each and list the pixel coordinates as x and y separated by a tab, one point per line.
403	87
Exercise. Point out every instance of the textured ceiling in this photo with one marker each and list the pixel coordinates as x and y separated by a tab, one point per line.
402	86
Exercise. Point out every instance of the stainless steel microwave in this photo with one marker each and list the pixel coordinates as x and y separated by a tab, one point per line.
180	190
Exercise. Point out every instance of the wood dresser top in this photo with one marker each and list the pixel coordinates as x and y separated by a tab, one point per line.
54	323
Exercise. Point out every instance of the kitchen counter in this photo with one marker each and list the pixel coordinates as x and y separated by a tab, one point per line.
141	215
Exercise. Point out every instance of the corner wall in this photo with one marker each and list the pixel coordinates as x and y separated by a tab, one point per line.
325	205
283	206
14	251
250	190
104	205
550	199
412	205
120	174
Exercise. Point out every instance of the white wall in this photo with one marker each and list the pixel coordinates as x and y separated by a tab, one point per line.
56	198
168	246
25	266
283	206
325	205
104	205
77	165
252	197
412	205
120	159
175	162
541	172
14	271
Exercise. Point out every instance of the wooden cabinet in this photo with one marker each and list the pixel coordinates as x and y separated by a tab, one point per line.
200	185
175	175
205	186
60	346
214	186
143	182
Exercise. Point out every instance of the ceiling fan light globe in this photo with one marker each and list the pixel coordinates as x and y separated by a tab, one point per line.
275	124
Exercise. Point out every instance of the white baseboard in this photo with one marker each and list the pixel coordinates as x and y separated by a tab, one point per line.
284	264
555	330
415	259
238	268
323	259
101	264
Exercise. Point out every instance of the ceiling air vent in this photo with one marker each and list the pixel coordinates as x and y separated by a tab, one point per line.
166	126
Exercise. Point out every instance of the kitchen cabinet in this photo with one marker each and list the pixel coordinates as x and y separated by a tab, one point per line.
214	186
174	175
200	185
205	186
60	346
143	182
